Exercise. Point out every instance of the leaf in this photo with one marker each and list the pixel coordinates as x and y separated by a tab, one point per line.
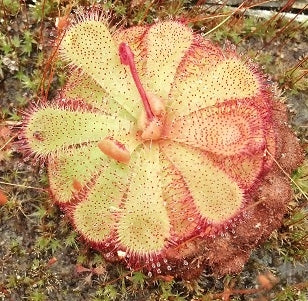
182	212
86	90
216	196
51	129
97	55
244	169
143	226
166	45
76	165
205	84
232	128
82	87
94	216
134	37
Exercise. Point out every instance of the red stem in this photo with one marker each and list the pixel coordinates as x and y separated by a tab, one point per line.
127	58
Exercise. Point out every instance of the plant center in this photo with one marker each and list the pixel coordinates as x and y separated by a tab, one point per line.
151	124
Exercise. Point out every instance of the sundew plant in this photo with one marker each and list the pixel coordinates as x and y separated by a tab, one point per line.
162	148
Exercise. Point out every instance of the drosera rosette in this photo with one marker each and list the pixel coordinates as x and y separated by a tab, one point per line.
162	148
